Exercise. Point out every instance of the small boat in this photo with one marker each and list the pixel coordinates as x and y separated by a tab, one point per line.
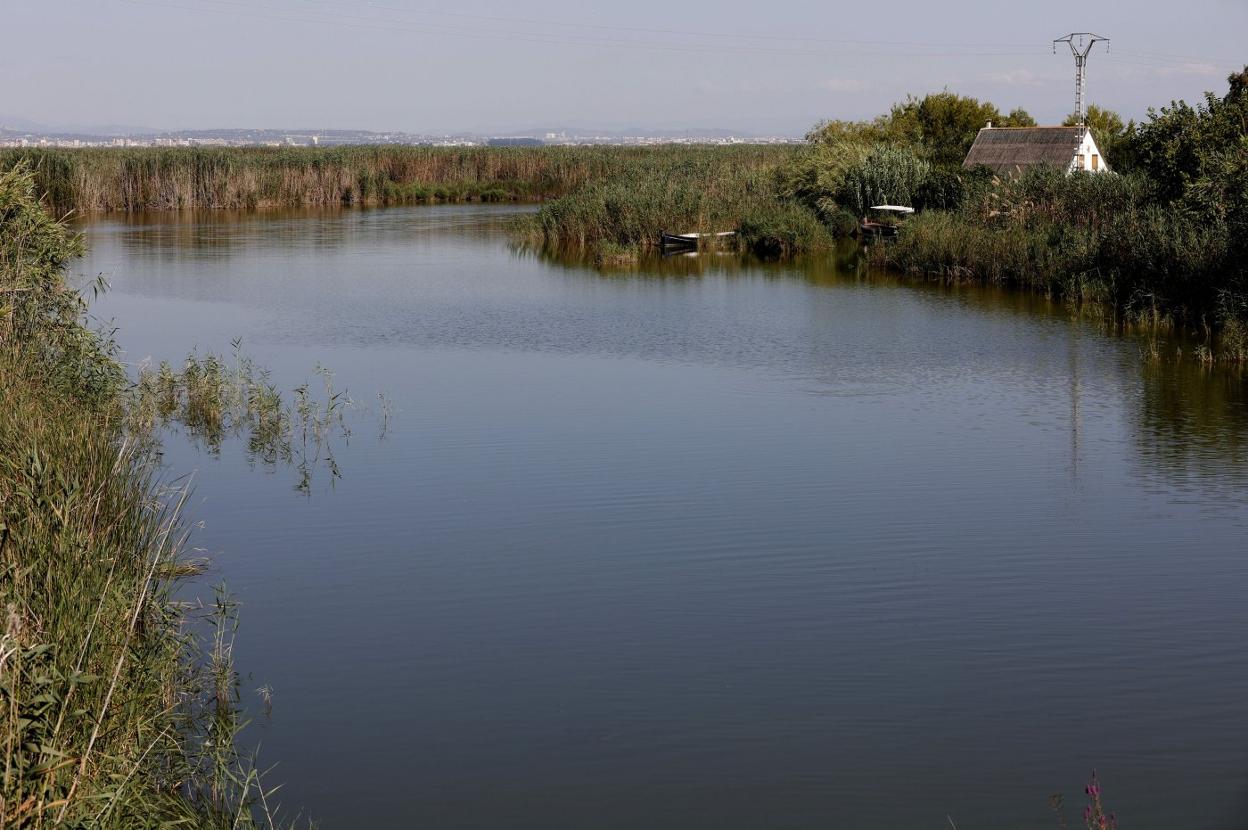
683	243
883	221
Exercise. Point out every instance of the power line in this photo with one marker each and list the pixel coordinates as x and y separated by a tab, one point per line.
1026	48
1080	44
575	34
286	14
684	32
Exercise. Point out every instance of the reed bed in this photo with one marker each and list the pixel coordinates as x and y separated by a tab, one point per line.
1163	241
1100	239
113	713
623	215
92	180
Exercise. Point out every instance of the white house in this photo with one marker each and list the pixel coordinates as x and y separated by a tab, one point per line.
1010	150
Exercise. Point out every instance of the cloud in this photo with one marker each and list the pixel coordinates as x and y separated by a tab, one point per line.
1206	69
843	85
1141	71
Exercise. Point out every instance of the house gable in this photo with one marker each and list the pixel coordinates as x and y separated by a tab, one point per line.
1088	158
1008	150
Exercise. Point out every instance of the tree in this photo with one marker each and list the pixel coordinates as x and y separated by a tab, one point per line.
815	174
1177	143
837	132
1107	128
889	175
945	124
940	126
1019	117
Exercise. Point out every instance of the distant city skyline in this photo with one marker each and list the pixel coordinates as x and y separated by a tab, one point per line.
487	67
11	126
10	138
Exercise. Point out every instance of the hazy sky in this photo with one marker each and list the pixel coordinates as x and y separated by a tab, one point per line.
417	65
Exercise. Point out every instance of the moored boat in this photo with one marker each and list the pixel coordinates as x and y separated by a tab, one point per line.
882	221
682	243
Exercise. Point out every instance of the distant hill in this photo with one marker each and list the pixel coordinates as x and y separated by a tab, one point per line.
13	123
17	124
15	130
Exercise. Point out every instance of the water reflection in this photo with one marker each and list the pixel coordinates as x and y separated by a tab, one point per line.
214	235
212	401
1191	424
712	543
1190	419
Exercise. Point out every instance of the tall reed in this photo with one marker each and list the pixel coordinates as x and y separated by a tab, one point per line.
1103	239
212	399
130	179
112	713
727	190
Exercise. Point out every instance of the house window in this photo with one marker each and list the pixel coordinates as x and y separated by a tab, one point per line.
1096	162
1079	162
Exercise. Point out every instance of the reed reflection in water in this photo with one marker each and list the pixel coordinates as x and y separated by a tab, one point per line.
710	543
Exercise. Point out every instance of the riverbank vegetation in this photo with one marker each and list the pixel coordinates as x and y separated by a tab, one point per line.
708	191
211	399
782	202
113	713
244	178
1164	241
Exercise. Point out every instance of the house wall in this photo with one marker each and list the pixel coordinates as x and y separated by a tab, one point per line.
1084	156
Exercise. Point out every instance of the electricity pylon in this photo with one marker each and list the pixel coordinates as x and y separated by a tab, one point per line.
1081	44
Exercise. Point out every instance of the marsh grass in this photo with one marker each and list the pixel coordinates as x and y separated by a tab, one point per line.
611	203
112	715
620	218
113	712
782	230
212	400
131	179
1090	239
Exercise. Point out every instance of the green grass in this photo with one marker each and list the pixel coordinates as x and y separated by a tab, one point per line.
1162	245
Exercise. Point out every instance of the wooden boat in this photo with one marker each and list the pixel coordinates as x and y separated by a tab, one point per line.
871	230
672	243
684	243
873	227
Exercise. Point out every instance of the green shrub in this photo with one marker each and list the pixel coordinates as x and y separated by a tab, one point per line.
778	231
702	193
887	176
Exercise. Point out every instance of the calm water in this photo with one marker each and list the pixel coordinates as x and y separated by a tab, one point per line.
710	546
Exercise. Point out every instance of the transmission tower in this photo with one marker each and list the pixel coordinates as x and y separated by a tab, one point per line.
1081	44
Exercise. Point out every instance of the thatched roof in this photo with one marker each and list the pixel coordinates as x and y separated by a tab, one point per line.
1008	149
